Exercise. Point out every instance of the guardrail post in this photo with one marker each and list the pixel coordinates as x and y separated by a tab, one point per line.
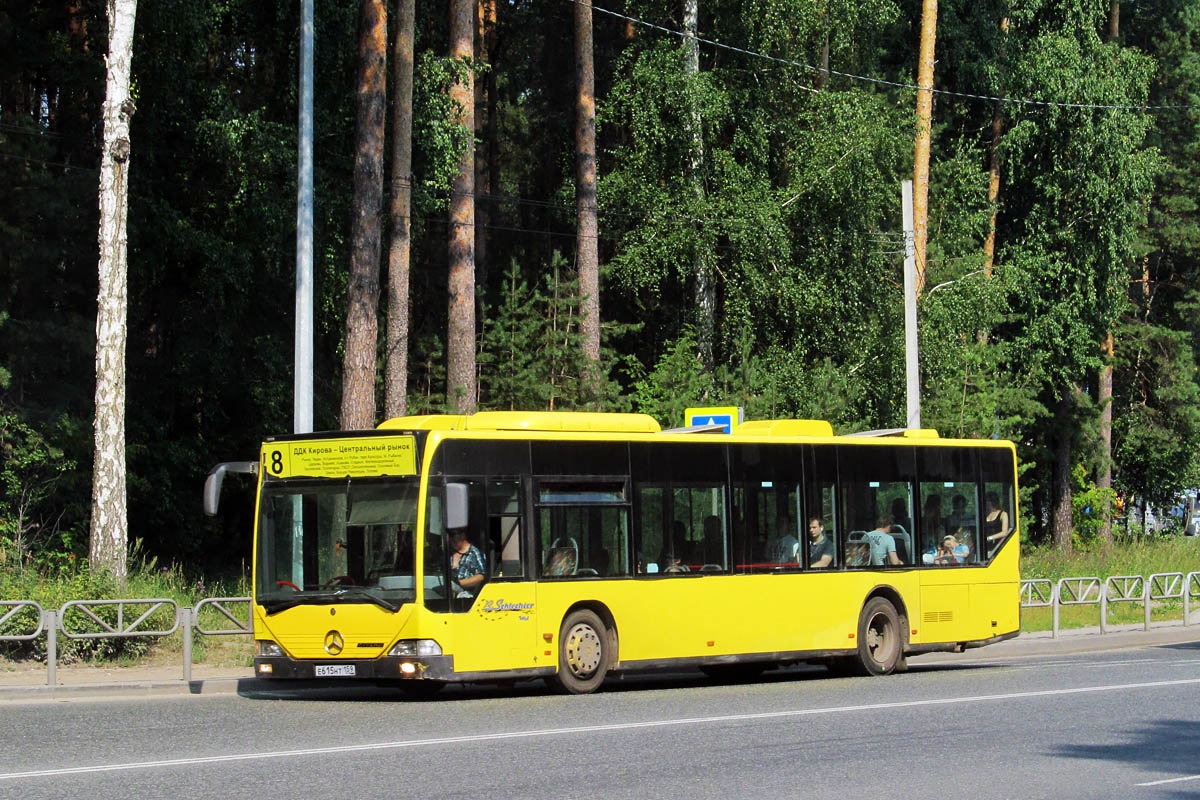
1104	608
1187	599
1054	597
50	621
185	622
1146	601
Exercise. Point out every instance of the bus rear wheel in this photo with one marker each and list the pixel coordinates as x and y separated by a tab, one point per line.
583	653
880	647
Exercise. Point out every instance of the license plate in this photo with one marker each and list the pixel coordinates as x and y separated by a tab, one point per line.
335	670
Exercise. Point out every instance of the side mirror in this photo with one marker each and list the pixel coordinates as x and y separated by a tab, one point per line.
457	514
216	477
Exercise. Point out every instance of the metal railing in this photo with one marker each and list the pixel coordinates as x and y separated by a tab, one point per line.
171	617
123	619
1157	588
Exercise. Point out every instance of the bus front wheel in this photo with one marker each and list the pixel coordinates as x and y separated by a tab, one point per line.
880	647
583	653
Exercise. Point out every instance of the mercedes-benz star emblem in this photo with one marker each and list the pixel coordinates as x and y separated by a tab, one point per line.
334	643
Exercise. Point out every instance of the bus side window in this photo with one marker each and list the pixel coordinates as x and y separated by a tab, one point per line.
504	528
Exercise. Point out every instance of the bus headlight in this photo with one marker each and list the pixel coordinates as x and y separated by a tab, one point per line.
267	649
416	647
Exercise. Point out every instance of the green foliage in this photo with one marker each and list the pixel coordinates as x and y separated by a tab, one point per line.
532	354
1090	507
32	473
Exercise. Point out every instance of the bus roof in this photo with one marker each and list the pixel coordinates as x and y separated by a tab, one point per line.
603	422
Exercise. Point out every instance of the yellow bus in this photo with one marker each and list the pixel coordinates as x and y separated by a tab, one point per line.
503	546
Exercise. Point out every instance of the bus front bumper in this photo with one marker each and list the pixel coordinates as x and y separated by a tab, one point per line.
435	668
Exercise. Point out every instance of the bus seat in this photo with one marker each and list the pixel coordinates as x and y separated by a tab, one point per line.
562	558
587	571
903	543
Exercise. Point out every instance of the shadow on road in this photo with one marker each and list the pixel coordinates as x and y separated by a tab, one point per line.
331	690
1169	747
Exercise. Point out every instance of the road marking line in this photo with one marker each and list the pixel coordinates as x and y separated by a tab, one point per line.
623	726
1170	780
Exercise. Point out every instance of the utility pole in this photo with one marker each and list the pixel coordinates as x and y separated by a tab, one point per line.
303	385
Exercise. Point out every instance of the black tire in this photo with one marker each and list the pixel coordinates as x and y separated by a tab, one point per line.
583	653
880	642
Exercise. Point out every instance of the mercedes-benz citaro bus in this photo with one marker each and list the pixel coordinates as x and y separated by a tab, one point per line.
503	546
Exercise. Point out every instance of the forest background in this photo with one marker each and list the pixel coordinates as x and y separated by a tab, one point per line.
1063	241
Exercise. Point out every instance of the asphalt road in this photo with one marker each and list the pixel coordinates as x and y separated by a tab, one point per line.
1121	724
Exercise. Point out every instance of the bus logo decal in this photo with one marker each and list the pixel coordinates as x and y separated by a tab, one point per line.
500	605
334	643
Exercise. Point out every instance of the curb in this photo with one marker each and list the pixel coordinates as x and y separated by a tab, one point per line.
145	688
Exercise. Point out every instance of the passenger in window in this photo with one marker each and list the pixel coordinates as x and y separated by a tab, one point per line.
674	550
966	538
783	548
931	517
467	564
714	542
820	546
995	524
959	516
882	543
952	551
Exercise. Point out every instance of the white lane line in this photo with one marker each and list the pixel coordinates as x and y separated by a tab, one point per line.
623	726
1170	780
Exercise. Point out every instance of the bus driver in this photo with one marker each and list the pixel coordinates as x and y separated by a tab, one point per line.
467	563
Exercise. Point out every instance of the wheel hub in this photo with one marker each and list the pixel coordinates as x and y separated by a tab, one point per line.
584	650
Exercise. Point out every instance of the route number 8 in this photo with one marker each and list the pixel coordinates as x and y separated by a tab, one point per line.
276	462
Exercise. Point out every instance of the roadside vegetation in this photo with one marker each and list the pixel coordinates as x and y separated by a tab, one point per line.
53	586
1144	556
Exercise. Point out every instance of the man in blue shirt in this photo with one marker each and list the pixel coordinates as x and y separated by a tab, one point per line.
467	562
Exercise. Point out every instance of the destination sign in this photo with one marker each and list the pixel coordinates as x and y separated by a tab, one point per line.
341	458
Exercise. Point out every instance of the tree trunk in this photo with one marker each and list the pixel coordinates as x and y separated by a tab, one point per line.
1104	479
924	130
822	76
460	344
989	244
399	254
110	523
705	295
1061	502
485	88
1114	21
587	227
362	295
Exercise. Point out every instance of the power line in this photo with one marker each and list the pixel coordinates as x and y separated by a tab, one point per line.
867	79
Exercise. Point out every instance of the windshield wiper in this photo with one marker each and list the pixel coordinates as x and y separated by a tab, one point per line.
371	594
339	595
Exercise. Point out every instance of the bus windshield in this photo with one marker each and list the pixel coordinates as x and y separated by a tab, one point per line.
344	541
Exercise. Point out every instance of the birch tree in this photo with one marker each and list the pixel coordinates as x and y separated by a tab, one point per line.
109	523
